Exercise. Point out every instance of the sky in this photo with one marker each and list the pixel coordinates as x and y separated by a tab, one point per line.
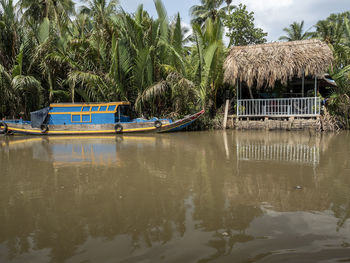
271	15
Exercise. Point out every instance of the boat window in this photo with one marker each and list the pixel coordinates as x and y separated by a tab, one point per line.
94	108
125	112
76	118
86	108
103	108
86	117
111	108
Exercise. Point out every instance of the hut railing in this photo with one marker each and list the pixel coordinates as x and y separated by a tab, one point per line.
288	107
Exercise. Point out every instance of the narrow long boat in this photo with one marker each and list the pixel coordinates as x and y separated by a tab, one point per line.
91	118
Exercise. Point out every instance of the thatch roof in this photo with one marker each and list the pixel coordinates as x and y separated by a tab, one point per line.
281	61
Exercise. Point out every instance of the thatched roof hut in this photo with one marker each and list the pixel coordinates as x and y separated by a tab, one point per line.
265	64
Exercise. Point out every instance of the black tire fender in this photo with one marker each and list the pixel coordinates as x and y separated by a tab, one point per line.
158	124
118	128
3	128
44	128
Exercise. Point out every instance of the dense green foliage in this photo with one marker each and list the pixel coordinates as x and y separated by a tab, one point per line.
102	54
241	28
335	30
51	51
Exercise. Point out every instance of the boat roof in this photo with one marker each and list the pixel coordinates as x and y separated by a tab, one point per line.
99	107
86	104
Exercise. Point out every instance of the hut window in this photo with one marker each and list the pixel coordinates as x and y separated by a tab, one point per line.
103	108
86	108
86	118
94	108
76	118
111	108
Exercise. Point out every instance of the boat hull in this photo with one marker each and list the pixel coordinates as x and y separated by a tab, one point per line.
23	128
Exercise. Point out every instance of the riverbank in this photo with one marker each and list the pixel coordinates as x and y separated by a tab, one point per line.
323	123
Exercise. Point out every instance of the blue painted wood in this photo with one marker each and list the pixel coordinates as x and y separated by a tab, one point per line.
65	109
78	115
81	118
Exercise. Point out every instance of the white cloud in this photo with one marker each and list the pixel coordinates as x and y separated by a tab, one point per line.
274	15
268	5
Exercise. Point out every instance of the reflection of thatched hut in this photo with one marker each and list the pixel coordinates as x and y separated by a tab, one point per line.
283	70
268	63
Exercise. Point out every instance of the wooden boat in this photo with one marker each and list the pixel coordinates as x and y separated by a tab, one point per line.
91	118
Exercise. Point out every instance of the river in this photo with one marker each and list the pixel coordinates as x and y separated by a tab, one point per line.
250	196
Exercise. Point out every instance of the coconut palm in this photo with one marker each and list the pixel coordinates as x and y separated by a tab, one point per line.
34	11
23	90
156	49
9	33
295	31
100	10
331	30
334	31
7	93
207	58
208	9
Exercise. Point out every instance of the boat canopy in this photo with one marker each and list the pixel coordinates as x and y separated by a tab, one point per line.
39	117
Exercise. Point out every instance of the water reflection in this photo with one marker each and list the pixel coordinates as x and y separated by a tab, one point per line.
267	148
187	197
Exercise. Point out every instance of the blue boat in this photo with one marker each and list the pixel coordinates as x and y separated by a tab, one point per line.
91	118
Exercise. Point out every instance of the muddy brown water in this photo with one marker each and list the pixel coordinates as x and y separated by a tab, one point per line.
181	197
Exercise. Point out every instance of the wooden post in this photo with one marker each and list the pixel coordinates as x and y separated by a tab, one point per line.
226	113
237	95
315	95
303	84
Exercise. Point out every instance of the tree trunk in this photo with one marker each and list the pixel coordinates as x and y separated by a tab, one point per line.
46	8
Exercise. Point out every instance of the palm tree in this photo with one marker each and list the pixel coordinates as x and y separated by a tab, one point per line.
100	10
7	93
295	31
331	30
37	10
207	58
335	31
208	9
9	33
16	86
